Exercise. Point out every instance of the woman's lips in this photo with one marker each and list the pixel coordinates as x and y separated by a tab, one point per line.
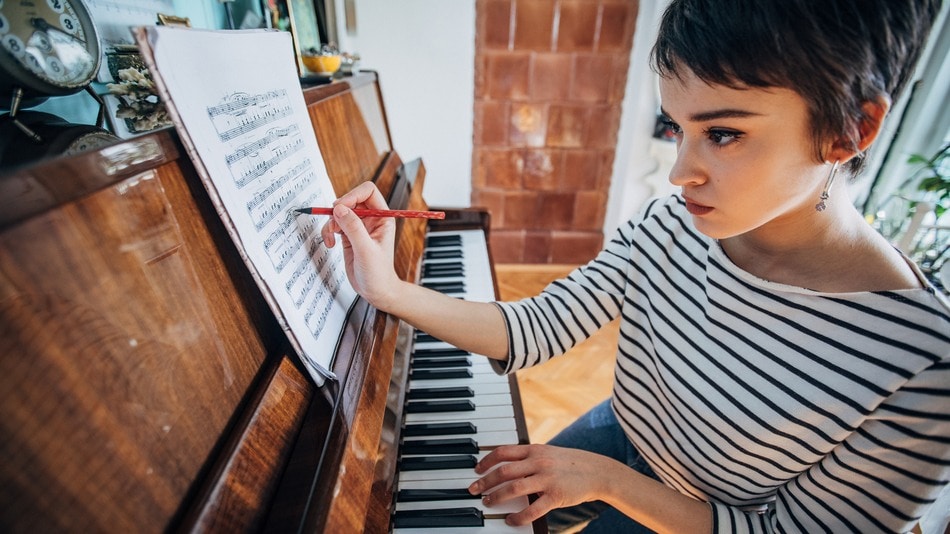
697	209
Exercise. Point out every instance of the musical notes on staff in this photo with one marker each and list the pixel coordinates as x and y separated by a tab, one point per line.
255	159
241	113
278	196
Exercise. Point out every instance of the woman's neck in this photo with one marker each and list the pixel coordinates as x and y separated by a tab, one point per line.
830	252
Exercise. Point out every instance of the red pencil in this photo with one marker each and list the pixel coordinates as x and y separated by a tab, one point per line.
362	213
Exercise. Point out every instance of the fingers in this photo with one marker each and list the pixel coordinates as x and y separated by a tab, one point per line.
505	453
514	480
328	233
532	512
504	464
365	195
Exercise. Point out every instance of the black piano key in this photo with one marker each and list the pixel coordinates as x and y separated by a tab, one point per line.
423	495
422	337
438	254
440	406
443	274
440	393
439	374
433	463
435	267
439	518
439	353
443	266
433	241
439	363
440	446
445	287
443	269
439	429
443	240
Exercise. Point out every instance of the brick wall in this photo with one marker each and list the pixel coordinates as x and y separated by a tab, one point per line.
549	83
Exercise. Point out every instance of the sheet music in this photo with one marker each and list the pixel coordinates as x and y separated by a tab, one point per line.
237	104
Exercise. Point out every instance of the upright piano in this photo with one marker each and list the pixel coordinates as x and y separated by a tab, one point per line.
145	385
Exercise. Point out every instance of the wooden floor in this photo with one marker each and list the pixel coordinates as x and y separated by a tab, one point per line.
557	392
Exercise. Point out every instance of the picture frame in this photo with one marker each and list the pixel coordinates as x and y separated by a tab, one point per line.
300	18
173	20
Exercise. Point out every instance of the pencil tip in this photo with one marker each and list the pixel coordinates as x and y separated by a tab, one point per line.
300	210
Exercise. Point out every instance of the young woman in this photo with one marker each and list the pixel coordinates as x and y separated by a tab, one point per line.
780	366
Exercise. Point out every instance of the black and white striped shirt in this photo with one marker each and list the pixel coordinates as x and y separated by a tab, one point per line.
787	409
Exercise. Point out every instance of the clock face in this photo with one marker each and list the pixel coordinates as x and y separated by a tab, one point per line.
49	46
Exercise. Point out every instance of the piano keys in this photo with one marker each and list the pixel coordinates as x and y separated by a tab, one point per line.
458	408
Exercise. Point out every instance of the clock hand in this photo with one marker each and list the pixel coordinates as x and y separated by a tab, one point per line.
41	24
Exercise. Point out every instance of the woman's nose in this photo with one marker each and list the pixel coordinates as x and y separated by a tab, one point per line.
686	169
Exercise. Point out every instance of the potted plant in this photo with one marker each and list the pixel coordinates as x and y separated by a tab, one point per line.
925	232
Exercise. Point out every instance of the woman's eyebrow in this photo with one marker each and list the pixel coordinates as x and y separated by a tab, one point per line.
726	113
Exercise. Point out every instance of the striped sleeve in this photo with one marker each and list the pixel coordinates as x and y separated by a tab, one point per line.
572	309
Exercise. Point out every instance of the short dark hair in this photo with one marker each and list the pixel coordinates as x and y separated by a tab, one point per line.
836	54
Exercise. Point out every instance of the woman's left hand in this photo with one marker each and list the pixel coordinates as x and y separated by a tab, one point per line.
560	477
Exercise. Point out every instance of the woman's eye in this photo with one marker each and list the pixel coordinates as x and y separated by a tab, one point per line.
672	126
722	137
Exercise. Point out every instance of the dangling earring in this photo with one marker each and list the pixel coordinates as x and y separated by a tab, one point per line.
824	194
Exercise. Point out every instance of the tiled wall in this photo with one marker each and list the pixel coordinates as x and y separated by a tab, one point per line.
549	82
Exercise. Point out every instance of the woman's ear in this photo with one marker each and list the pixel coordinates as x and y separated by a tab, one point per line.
867	130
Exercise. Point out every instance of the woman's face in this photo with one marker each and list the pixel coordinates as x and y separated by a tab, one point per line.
745	157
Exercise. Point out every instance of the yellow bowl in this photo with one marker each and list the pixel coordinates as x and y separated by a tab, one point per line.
322	64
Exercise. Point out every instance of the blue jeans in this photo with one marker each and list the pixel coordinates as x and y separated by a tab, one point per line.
598	431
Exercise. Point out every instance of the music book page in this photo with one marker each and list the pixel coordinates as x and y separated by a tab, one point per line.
236	102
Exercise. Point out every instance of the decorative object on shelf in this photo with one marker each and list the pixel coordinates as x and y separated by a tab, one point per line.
350	64
325	61
138	108
52	49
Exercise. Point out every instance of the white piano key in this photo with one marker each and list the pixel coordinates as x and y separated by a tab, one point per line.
492	526
499	399
480	412
438	474
480	387
509	507
500	424
478	382
485	439
435	484
489	439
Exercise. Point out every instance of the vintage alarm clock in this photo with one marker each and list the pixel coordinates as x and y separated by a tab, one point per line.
49	48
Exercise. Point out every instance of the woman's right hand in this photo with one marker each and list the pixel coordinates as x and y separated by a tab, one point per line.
367	243
368	252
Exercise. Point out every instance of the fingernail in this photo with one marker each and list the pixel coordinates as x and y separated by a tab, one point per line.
474	488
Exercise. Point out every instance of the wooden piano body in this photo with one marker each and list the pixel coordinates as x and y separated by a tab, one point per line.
145	384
